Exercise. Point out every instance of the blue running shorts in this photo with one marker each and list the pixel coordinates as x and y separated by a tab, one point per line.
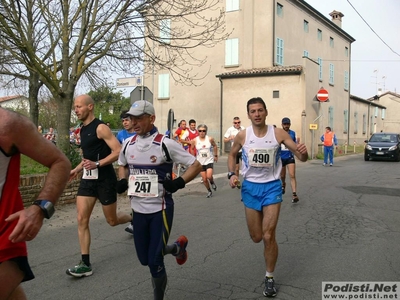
257	195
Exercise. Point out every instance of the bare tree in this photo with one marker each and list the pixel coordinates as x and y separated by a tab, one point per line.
68	40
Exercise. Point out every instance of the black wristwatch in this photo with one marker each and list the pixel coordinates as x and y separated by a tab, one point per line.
97	164
46	206
230	174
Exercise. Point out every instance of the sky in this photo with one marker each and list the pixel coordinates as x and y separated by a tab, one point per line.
374	64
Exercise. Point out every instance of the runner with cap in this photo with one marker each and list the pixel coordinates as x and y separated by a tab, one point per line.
145	170
288	161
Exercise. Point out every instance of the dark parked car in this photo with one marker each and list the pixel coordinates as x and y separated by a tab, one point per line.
383	145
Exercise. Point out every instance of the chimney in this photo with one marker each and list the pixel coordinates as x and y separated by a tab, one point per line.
337	17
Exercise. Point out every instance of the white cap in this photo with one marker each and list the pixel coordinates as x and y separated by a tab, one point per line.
141	107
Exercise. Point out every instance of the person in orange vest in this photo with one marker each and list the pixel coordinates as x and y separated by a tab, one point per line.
329	139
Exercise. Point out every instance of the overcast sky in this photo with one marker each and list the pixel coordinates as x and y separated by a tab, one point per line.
369	52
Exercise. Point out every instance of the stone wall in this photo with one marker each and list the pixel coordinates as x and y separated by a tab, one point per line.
31	185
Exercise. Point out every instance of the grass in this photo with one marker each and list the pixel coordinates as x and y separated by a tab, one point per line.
341	151
29	166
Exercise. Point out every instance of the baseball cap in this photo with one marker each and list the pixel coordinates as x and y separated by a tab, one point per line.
141	107
286	120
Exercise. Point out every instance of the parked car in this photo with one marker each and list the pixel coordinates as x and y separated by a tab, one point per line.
383	145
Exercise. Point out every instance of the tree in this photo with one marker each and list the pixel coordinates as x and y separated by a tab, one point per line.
109	104
66	41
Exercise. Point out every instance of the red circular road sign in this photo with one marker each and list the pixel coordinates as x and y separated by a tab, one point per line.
322	95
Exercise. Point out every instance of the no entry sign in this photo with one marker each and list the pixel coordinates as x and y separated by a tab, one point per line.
322	95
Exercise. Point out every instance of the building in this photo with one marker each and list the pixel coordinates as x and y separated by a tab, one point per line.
390	116
16	103
284	51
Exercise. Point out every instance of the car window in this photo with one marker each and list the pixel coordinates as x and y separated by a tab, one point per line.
376	138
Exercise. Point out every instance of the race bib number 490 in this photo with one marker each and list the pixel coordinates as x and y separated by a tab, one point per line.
260	158
143	185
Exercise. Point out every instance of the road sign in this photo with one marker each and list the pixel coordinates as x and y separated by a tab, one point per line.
313	126
322	95
129	81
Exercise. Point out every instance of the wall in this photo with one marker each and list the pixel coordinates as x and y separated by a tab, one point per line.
30	186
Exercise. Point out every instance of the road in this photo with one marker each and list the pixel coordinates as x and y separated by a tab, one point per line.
346	227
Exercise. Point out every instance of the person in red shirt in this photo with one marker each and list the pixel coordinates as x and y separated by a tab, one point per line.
182	134
193	133
18	224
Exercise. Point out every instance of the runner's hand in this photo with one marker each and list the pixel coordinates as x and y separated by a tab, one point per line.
122	185
173	185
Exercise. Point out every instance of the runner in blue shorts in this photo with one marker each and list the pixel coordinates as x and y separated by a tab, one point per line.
262	189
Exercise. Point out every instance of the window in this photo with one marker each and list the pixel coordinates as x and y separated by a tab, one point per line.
331	74
232	52
346	51
331	42
279	10
356	122
346	80
364	123
163	86
320	69
305	26
330	116
319	34
275	94
279	51
232	5
346	121
383	113
305	53
165	31
376	112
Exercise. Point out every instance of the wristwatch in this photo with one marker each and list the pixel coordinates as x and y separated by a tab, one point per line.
97	164
46	206
230	174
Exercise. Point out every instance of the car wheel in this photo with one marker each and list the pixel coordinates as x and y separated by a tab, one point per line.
366	158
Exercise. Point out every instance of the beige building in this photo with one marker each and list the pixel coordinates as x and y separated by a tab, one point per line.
284	51
390	117
16	102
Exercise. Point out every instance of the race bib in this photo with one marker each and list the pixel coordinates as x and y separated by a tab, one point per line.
204	153
90	174
143	185
261	158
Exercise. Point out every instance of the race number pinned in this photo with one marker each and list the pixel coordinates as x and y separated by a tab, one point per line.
90	174
143	185
261	158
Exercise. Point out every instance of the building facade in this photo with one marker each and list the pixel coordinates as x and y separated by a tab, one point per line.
284	51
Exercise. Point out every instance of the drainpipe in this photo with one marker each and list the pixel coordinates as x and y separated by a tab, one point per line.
220	116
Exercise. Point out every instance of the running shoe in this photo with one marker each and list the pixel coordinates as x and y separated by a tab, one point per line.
181	256
324	164
209	194
269	289
330	165
214	186
129	229
81	270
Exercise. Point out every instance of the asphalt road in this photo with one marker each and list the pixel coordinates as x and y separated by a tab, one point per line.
346	227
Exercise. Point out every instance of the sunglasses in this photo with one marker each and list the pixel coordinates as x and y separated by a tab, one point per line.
202	131
236	122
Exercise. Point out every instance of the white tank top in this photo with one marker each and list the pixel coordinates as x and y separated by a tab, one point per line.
261	160
204	155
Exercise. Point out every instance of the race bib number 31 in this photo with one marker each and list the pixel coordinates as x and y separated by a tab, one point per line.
260	158
143	185
90	174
